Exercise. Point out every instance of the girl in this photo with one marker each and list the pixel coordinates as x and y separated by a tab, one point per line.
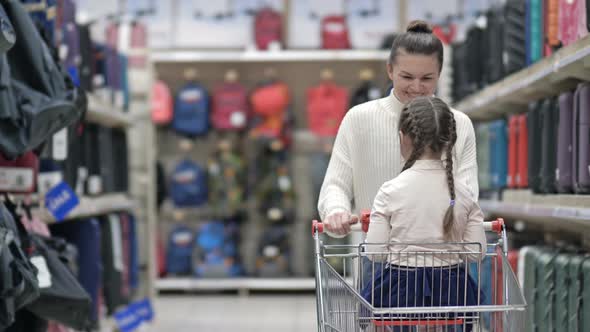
424	204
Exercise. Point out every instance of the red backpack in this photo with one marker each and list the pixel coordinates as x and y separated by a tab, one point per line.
162	104
326	105
230	104
270	103
19	175
268	27
335	32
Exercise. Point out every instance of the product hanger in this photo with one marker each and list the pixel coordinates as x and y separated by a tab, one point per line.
231	76
190	74
270	73
327	75
366	74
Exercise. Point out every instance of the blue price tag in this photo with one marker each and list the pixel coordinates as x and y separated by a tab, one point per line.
127	319
60	200
144	310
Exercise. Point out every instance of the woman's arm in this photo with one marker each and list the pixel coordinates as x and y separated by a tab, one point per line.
336	193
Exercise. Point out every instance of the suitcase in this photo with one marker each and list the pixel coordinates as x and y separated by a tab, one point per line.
498	154
476	52
579	299
572	21
551	25
534	41
545	288
482	132
112	260
514	36
528	257
535	146
581	139
106	160
549	126
563	173
460	76
495	38
121	161
561	314
522	178
513	136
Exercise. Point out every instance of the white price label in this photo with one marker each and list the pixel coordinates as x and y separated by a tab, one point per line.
43	274
238	119
284	183
15	179
60	145
116	242
271	251
94	185
274	214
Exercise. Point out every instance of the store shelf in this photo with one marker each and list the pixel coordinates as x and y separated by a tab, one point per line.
547	77
105	114
553	212
92	206
161	56
237	284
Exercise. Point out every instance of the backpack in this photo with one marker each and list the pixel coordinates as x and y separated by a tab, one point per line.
226	183
19	175
365	92
335	33
276	195
191	110
215	251
230	107
161	104
188	184
180	248
572	21
326	106
273	253
269	104
268	27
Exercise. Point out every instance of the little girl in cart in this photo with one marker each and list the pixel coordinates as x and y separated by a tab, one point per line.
425	224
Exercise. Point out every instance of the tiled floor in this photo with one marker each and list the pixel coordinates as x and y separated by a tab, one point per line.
230	313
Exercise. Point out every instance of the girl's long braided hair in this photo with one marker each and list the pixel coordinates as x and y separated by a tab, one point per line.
430	123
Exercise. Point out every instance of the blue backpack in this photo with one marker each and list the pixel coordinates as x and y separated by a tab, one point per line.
191	110
215	251
180	249
189	184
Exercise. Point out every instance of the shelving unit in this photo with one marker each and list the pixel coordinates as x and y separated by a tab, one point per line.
569	213
92	206
238	284
548	77
176	56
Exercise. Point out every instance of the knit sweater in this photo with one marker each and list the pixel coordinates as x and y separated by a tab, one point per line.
366	154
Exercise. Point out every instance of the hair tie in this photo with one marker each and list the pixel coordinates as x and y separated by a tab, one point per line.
452	202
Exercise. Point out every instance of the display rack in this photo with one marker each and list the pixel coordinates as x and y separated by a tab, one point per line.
239	284
162	56
105	114
548	77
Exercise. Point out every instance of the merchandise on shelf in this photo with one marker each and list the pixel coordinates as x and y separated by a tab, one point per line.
327	103
572	21
268	28
581	139
162	104
179	250
334	29
498	154
269	105
215	252
565	143
273	253
227	181
549	121
229	105
188	185
191	110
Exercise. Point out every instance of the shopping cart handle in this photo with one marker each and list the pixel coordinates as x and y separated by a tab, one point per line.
363	225
496	226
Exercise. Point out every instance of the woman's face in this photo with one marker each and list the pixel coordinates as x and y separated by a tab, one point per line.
414	75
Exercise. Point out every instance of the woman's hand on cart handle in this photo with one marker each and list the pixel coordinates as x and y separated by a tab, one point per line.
496	226
353	224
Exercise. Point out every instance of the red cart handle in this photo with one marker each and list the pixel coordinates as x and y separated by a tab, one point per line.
496	226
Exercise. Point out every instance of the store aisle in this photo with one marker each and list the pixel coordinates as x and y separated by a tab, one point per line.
230	313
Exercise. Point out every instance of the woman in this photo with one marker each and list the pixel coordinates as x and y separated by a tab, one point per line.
366	152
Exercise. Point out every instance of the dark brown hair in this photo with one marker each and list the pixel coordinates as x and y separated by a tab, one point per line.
430	123
418	39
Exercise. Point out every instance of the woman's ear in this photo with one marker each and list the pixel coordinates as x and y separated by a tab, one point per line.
390	71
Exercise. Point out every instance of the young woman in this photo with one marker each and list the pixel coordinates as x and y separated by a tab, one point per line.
424	205
366	152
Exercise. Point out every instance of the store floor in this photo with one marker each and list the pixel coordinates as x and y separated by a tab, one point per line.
230	313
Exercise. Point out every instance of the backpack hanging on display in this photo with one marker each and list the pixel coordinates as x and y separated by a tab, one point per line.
161	103
335	32
19	175
572	21
38	99
179	251
227	182
85	235
191	110
581	139
564	143
229	107
549	127
276	195
269	104
327	104
273	253
268	27
499	154
366	91
69	38
514	36
188	185
214	252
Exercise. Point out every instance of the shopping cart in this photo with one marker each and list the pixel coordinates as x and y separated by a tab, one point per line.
433	287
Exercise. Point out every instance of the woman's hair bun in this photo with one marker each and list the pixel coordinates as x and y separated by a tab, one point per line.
419	27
